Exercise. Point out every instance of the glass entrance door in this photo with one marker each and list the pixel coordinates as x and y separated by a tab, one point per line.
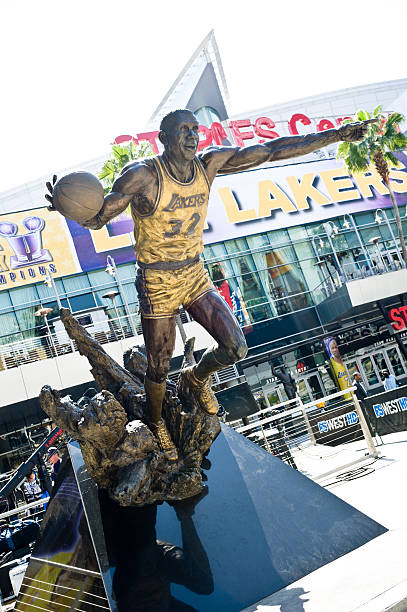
395	361
310	387
370	371
371	366
274	394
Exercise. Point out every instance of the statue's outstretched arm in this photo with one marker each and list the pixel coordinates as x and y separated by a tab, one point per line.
226	160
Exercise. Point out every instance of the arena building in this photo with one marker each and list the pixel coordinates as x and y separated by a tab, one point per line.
300	250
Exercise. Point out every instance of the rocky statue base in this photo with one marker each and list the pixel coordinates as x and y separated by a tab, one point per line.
119	450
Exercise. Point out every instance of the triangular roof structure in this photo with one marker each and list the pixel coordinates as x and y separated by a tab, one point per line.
204	65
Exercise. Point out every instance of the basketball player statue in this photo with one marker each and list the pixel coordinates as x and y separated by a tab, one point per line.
169	196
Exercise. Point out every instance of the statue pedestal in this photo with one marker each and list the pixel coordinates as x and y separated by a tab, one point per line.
258	527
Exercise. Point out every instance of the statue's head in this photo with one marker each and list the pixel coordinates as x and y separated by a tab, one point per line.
179	134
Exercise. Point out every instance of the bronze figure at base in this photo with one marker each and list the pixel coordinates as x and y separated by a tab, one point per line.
121	453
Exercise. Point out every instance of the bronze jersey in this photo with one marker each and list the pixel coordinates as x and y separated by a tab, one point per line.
172	232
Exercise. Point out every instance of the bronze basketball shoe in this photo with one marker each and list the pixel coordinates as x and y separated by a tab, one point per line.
201	389
164	441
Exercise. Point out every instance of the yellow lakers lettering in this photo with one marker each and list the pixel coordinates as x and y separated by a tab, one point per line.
338	186
179	201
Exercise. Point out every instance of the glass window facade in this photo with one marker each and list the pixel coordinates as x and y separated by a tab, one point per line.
273	278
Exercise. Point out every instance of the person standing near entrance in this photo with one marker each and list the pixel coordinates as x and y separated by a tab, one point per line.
389	381
360	391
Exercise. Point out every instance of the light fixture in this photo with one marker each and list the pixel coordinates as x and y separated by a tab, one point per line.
110	269
378	218
321	243
346	224
43	312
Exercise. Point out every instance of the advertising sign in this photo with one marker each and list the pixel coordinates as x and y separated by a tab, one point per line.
337	366
387	412
240	204
271	198
337	426
257	201
31	242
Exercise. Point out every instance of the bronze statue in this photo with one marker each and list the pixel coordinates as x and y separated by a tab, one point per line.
169	196
120	452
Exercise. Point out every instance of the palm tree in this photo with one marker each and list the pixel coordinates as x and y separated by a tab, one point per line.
122	155
382	138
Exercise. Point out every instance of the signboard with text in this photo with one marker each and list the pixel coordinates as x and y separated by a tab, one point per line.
32	241
241	204
387	412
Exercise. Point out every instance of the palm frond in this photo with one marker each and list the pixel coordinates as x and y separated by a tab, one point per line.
395	118
108	171
362	115
343	150
391	158
378	111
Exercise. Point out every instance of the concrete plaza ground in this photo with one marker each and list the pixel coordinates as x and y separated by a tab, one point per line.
372	578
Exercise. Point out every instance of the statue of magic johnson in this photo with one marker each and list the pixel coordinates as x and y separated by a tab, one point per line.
168	195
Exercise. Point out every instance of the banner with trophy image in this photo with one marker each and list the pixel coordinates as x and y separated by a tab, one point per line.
32	241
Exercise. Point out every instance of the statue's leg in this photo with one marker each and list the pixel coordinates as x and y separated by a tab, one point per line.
212	312
159	338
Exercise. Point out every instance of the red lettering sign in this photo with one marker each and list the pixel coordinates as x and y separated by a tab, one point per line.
238	134
297	118
242	129
398	318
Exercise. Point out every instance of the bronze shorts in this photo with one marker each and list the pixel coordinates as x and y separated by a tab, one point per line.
162	292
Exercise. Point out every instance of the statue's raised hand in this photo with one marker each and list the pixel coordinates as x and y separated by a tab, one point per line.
352	132
49	196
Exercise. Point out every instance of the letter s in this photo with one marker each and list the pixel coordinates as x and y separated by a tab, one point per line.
398	321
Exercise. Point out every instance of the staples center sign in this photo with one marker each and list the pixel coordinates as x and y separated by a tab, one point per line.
244	131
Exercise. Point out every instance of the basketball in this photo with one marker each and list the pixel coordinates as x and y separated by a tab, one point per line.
78	196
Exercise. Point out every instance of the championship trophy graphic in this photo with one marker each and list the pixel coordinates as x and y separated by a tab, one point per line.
27	247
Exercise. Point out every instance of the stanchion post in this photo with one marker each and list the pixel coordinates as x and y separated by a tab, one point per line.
373	452
307	423
265	439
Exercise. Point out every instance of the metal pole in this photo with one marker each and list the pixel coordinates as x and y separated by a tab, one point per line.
380	256
117	316
319	260
307	423
315	249
392	235
181	329
112	263
50	336
369	263
54	287
51	280
331	244
265	439
373	452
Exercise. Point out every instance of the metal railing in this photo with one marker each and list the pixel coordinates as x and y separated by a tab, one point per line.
352	271
318	438
58	343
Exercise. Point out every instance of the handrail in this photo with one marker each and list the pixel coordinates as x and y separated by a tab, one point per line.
292	411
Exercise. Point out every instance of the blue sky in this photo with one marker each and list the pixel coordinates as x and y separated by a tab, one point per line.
75	74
